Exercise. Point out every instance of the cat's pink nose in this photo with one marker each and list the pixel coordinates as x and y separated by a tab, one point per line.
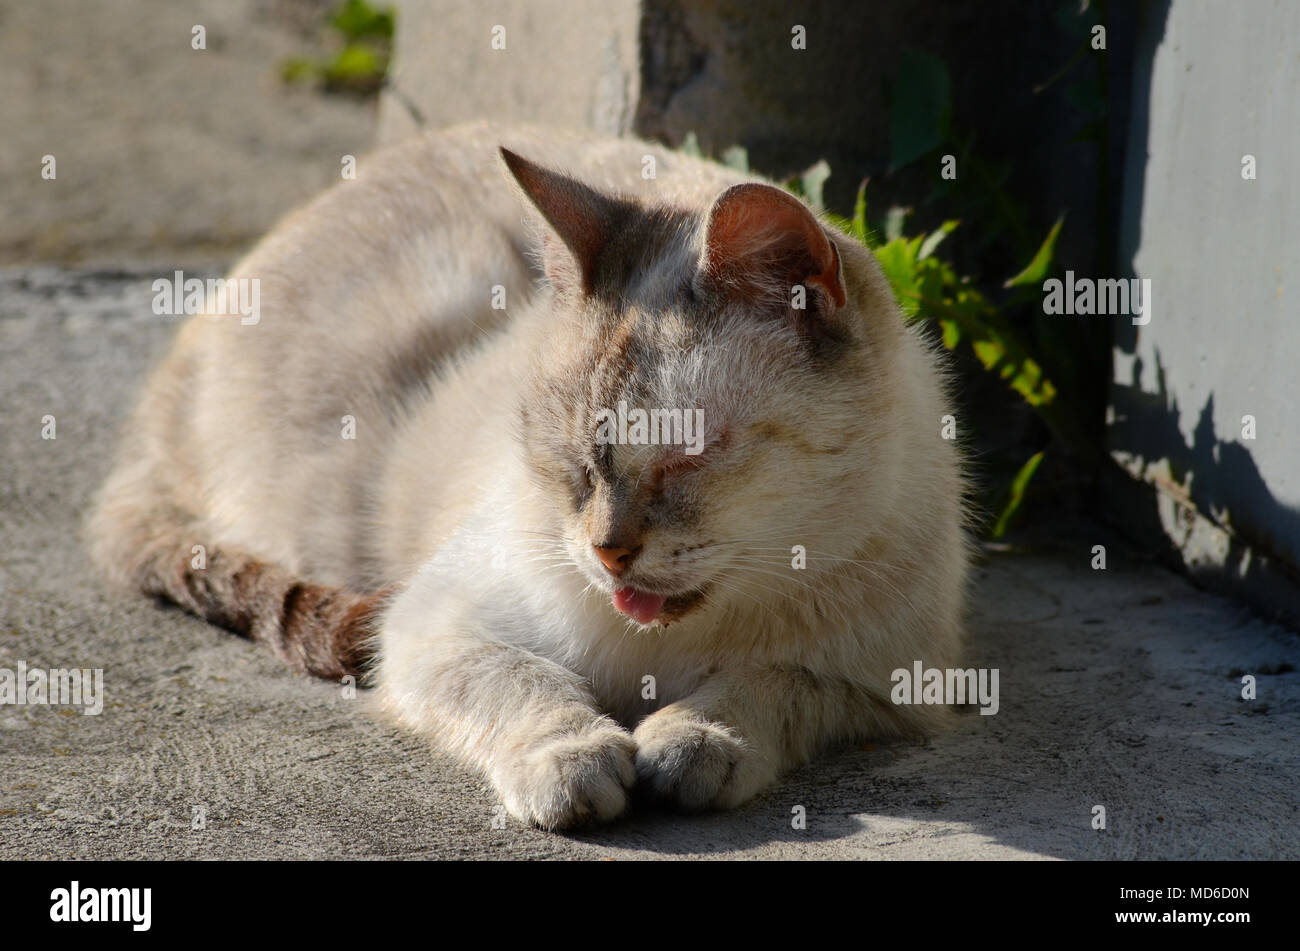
616	560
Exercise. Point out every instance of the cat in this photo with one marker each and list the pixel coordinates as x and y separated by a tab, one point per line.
387	475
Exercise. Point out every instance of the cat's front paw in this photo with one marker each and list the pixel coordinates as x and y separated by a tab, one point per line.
571	780
697	764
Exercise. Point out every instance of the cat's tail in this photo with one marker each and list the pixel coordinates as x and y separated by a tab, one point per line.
143	534
316	629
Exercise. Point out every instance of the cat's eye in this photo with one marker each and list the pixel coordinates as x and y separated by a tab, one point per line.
673	467
584	479
680	464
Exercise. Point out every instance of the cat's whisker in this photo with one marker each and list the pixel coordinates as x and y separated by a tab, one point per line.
891	589
804	585
730	585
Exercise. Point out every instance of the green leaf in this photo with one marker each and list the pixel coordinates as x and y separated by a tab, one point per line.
736	157
1009	362
920	112
357	67
928	288
357	18
811	183
898	260
935	237
1041	265
860	229
1017	494
895	219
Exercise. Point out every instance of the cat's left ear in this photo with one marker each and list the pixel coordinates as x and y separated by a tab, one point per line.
584	219
760	242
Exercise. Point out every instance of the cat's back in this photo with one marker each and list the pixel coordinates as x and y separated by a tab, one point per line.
424	252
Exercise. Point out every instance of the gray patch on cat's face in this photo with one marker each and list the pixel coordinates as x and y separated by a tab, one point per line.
792	421
762	474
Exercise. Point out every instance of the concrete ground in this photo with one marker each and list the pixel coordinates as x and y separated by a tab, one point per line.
1119	688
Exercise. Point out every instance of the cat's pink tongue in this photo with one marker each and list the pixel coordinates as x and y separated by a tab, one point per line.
641	606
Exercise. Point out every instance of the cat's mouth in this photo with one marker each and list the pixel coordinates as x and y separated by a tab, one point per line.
647	607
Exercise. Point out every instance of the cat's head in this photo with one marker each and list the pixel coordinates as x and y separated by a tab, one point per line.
714	394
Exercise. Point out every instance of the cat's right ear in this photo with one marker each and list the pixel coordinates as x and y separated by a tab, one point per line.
584	219
760	242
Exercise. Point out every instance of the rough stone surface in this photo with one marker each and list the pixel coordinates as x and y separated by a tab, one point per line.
1118	688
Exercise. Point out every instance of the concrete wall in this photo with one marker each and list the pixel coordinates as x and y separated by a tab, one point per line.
1216	82
571	63
726	70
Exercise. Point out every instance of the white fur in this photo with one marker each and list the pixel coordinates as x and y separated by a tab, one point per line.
501	645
